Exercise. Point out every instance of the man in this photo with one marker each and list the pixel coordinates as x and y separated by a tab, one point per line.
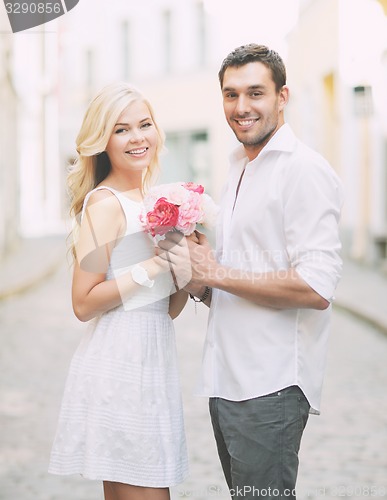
271	285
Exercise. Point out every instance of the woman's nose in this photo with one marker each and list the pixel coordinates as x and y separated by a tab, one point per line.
136	136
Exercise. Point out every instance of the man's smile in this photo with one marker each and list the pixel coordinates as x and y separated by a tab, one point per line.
246	122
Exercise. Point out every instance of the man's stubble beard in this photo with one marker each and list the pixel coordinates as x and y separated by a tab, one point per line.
258	140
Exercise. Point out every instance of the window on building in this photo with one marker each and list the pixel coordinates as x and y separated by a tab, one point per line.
201	34
89	75
125	47
330	133
167	40
187	158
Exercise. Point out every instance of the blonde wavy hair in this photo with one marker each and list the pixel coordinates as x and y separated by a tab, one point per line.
92	164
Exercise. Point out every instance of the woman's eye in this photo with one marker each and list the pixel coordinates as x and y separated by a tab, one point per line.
146	125
120	130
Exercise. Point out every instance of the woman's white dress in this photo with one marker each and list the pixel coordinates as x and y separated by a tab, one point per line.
121	417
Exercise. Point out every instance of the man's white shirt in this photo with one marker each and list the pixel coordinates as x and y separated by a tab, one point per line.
286	216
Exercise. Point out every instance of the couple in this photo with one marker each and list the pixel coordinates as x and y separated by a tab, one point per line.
269	291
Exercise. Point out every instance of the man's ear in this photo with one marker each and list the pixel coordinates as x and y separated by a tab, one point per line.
283	97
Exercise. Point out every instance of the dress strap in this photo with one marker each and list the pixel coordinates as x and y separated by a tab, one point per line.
85	201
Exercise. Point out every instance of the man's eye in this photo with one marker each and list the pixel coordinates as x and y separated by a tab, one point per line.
256	94
231	95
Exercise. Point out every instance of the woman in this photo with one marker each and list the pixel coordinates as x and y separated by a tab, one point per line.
121	418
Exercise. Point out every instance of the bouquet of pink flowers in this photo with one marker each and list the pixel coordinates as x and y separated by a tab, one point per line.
177	206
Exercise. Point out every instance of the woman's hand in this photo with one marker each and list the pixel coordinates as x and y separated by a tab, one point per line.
194	237
191	258
175	251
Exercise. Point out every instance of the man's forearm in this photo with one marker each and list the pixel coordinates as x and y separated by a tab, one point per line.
283	289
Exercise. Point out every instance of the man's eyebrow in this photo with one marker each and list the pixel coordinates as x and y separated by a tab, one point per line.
255	87
251	87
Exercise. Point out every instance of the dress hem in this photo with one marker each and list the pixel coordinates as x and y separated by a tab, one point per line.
117	479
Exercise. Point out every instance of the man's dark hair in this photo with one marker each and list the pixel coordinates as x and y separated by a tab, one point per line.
256	53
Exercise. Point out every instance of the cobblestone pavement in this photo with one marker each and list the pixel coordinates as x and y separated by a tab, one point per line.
343	452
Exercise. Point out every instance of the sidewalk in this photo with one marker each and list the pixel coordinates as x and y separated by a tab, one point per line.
362	290
35	260
39	334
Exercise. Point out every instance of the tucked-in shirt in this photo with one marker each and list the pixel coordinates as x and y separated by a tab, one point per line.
285	216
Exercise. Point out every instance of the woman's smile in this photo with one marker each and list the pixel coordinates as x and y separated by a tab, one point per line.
137	152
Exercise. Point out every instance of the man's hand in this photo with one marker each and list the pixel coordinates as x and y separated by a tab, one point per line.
191	258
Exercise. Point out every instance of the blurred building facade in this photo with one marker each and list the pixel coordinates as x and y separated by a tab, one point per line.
36	79
172	51
31	186
166	49
338	73
9	175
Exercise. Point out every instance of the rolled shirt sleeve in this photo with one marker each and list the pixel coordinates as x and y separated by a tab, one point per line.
313	201
286	215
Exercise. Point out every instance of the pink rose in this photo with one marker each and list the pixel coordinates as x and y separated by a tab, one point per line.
192	186
162	218
178	206
190	213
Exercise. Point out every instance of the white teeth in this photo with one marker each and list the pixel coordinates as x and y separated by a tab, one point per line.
136	151
245	123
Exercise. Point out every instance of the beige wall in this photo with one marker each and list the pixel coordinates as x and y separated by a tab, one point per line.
338	46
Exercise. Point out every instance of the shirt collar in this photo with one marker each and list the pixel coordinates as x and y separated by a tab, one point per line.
283	140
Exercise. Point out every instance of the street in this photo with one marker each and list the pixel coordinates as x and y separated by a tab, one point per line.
343	451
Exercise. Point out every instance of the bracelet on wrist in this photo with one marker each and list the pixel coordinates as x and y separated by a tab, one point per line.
203	297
